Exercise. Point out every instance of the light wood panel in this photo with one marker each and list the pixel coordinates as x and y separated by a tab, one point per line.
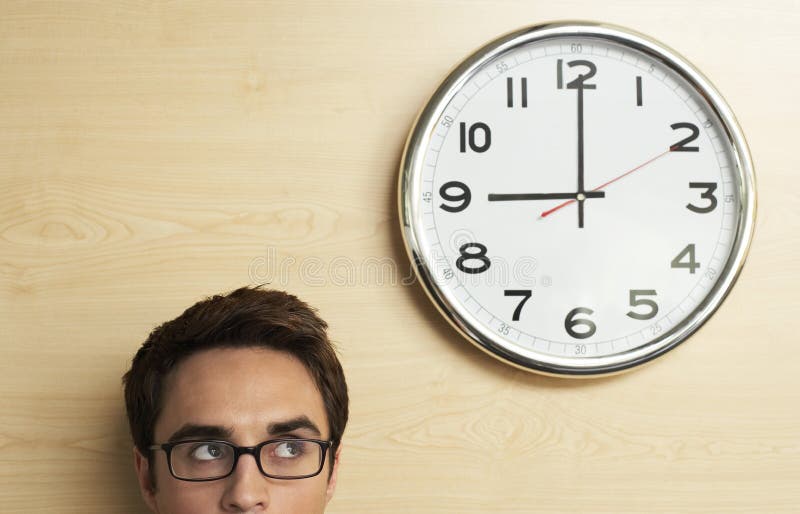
153	153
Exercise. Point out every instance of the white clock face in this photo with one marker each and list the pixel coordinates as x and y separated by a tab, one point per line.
575	203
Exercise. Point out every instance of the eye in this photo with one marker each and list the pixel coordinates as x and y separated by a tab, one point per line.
208	451
290	449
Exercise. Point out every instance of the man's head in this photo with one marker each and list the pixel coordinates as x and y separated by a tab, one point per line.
244	368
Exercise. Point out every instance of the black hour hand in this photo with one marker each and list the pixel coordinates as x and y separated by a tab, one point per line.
495	197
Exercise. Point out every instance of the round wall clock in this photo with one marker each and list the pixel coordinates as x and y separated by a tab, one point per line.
577	199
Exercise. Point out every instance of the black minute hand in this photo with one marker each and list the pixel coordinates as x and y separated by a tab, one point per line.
580	156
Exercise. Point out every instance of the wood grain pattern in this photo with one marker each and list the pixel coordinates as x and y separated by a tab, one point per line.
153	153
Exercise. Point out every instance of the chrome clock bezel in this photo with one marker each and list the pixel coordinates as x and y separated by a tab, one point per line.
409	203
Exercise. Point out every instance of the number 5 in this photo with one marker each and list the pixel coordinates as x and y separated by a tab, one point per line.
642	301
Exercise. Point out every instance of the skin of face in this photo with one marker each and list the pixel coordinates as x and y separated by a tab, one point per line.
247	392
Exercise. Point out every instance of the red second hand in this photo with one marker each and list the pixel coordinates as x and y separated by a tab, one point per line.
598	188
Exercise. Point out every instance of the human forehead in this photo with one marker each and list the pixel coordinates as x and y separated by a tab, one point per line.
243	389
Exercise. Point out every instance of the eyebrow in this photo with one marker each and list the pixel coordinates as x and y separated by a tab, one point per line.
290	425
192	430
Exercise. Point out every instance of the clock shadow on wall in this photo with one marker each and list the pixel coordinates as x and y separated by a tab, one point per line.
640	261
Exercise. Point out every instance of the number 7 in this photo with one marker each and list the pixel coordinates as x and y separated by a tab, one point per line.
525	293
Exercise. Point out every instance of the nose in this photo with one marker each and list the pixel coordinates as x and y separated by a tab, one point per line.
246	489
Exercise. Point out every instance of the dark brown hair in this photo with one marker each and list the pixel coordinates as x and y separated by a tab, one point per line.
246	317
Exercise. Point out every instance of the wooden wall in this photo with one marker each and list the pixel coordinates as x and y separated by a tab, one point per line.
154	153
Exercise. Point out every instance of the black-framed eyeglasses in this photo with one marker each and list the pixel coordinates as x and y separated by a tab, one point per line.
202	460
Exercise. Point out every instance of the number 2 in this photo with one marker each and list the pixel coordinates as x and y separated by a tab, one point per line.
679	146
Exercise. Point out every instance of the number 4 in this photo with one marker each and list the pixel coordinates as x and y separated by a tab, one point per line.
687	252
